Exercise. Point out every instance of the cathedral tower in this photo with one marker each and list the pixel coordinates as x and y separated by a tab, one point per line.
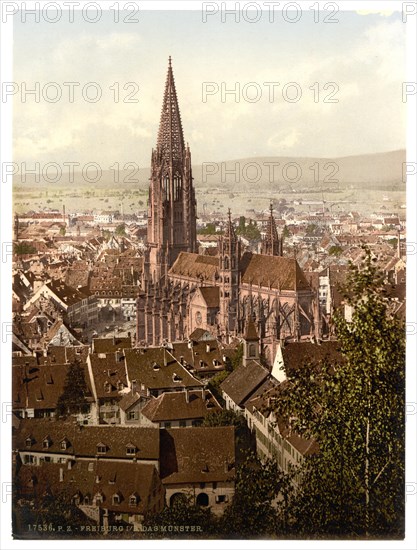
171	204
272	243
229	256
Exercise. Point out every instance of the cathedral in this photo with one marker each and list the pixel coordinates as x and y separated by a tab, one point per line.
183	290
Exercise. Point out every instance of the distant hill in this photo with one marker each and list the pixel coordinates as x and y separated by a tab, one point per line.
377	170
380	170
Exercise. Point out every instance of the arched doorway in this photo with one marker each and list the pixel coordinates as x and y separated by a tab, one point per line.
202	499
177	498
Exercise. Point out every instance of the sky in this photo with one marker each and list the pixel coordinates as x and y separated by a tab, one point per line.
362	54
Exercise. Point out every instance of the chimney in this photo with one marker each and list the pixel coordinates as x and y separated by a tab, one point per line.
187	395
208	348
182	360
226	467
69	464
61	475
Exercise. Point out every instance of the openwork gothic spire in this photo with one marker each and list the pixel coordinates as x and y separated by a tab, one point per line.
170	135
230	233
272	231
272	243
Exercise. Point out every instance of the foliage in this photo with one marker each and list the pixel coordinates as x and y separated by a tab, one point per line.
62	231
210	229
214	385
285	232
224	417
335	250
120	230
73	398
182	512
250	231
21	248
253	512
311	229
237	358
353	487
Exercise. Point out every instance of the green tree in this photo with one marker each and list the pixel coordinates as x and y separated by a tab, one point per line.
22	248
335	250
73	399
62	231
250	231
210	229
259	505
354	485
182	512
121	230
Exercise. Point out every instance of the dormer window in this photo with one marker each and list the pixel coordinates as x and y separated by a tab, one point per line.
107	387
86	500
101	449
46	443
98	499
133	500
64	444
29	441
131	449
116	498
120	385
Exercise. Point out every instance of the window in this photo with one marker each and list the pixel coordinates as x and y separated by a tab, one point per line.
130	450
98	498
64	445
46	443
183	423
116	499
28	442
167	425
133	499
131	415
101	449
252	350
221	498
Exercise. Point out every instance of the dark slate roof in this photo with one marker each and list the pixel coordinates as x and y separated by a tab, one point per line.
83	440
197	455
242	382
171	406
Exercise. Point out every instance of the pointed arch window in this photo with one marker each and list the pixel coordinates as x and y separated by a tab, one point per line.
166	188
177	187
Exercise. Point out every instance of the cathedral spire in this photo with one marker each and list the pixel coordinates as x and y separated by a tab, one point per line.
170	135
271	244
230	230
